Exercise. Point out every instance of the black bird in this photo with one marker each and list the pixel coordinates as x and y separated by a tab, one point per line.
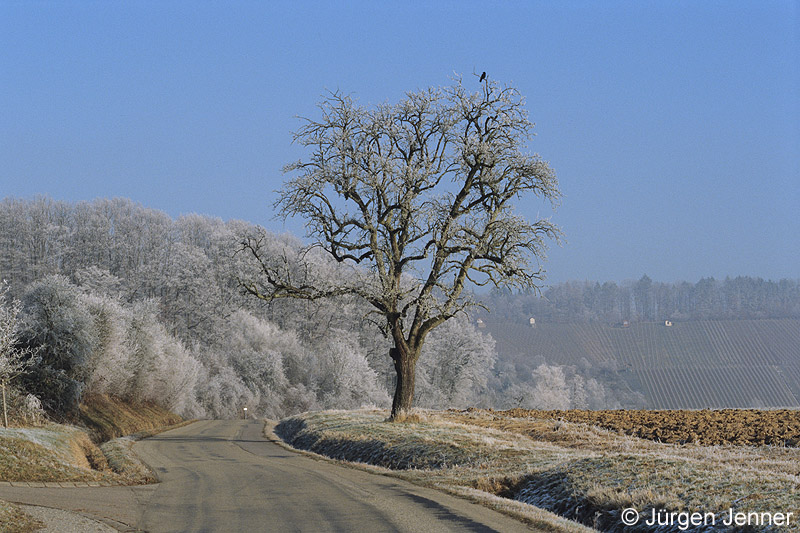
483	77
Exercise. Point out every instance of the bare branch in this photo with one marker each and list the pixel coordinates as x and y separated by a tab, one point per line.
416	198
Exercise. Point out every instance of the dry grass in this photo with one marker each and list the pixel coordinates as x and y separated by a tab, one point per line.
125	463
107	417
578	471
65	453
52	453
59	452
14	520
540	519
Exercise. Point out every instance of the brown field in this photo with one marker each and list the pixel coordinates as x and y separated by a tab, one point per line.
740	427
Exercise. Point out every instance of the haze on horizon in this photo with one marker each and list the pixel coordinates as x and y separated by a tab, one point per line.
674	129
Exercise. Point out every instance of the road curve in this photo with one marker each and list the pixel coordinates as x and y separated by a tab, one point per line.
225	476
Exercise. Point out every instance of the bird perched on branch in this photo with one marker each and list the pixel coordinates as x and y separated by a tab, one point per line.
483	77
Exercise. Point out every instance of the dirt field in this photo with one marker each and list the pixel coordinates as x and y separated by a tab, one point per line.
741	427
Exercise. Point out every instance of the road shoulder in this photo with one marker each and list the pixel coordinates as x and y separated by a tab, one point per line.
60	521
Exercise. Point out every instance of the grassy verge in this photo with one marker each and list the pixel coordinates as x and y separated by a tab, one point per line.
58	452
127	464
52	453
108	418
13	520
433	453
578	471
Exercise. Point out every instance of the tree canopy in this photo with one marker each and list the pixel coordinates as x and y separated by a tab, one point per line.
418	197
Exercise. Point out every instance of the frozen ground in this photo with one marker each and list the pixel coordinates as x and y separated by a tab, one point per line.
58	521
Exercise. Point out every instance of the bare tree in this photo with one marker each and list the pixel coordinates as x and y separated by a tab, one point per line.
421	193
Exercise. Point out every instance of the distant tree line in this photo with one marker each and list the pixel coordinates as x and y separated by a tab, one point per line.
648	300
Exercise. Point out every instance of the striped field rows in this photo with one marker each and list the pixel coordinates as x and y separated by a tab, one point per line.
690	365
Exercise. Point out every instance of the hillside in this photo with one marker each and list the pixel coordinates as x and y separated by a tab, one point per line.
690	365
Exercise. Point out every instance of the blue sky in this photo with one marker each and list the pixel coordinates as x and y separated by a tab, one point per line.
674	127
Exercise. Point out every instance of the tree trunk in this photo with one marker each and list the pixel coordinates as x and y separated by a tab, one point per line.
5	412
405	366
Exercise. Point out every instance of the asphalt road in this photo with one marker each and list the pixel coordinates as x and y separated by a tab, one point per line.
225	476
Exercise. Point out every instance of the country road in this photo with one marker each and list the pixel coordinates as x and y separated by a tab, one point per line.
225	476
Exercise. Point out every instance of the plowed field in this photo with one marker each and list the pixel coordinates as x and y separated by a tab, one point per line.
741	427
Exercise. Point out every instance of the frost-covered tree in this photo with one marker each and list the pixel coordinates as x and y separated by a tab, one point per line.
559	387
456	364
114	255
13	358
223	394
551	390
548	389
98	281
59	327
179	278
163	369
110	368
256	351
418	198
346	380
